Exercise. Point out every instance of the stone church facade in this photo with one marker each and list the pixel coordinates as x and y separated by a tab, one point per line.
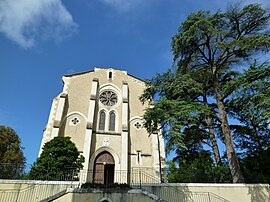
100	110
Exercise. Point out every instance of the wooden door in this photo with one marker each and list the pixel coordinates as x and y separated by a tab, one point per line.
104	168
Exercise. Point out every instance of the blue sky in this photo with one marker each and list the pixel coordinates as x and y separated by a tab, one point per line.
42	40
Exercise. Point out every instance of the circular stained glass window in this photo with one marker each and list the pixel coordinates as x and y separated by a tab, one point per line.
108	98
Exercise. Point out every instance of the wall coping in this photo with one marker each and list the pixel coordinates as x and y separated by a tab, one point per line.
218	185
3	181
36	182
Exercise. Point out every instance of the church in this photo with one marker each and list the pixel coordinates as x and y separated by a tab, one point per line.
100	110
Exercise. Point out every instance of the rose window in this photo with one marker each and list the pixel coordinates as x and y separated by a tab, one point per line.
108	98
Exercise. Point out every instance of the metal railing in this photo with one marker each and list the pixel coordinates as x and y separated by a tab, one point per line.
117	176
175	194
15	172
139	179
135	178
35	191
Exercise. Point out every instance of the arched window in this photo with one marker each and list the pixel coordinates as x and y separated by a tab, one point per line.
102	117
112	122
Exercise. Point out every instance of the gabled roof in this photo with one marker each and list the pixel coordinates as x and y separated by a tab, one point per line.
93	70
79	73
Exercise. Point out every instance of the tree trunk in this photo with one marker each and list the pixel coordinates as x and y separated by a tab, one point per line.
212	136
230	150
213	139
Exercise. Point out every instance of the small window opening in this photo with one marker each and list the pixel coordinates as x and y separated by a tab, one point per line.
110	75
139	157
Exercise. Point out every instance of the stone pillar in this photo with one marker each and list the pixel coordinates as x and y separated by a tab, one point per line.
125	133
85	175
156	155
48	129
58	116
162	157
56	113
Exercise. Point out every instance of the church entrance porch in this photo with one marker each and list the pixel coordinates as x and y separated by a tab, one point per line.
104	169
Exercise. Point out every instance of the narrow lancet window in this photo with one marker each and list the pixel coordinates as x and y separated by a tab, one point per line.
102	117
139	157
110	75
112	122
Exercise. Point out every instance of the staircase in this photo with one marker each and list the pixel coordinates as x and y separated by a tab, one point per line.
36	191
45	191
169	193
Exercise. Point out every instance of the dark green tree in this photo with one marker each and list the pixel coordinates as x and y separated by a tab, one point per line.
178	106
198	169
12	160
256	166
250	106
216	44
194	164
59	160
184	115
181	101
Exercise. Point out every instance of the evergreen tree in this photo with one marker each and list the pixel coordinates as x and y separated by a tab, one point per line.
59	160
208	50
195	164
215	44
12	160
250	106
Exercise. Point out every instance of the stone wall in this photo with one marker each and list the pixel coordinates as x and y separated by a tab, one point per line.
31	191
231	192
187	193
98	196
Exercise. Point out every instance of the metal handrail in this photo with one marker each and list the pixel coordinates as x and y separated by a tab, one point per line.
137	178
35	192
178	195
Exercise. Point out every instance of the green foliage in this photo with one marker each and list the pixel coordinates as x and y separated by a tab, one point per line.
208	50
249	104
256	166
10	146
194	164
215	44
12	160
194	140
198	168
216	41
59	160
177	105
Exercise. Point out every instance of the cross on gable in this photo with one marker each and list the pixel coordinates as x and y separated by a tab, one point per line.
106	142
138	125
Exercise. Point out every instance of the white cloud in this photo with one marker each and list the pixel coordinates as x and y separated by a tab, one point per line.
26	21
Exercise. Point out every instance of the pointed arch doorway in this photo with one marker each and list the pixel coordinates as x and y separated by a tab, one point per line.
104	168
